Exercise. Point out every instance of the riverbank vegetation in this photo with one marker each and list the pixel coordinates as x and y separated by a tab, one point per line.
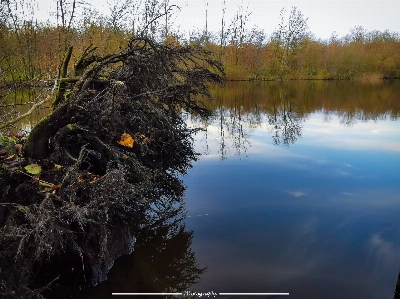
33	51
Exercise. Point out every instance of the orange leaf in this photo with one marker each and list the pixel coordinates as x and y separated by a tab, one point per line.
126	140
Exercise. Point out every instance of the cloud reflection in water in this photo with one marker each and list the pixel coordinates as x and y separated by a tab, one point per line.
317	217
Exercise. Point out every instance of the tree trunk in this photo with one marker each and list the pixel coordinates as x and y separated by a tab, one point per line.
37	144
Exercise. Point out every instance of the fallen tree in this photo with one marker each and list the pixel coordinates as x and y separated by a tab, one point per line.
101	165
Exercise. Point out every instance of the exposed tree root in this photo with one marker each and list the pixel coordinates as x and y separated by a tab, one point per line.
109	158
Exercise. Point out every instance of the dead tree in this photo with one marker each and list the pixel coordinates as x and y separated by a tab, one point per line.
109	155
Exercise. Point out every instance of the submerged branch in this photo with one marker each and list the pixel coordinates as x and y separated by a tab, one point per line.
34	106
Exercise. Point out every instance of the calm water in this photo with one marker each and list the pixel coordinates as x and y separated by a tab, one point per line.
298	190
14	102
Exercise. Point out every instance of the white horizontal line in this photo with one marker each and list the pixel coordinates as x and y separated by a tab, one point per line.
222	294
256	294
133	294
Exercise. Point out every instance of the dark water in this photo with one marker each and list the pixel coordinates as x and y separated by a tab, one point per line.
298	189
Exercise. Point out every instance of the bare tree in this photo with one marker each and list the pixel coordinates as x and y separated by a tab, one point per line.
236	32
66	11
288	37
357	34
153	19
223	35
120	12
19	18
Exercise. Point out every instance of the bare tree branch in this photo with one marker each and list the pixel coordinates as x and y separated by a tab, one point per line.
33	108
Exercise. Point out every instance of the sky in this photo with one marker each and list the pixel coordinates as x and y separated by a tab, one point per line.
324	16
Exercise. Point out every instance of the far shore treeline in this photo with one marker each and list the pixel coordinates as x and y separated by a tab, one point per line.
34	51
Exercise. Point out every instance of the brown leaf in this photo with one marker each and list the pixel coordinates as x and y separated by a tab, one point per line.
126	140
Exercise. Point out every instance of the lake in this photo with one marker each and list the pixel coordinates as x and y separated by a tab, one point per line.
298	190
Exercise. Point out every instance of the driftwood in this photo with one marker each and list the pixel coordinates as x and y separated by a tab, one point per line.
110	154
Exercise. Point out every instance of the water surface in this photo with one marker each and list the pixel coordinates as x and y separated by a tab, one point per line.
298	190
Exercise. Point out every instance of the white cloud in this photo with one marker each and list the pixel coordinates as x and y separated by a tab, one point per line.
297	193
349	194
382	253
382	135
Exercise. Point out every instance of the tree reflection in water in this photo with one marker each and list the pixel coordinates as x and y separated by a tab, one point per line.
162	261
282	107
231	124
284	121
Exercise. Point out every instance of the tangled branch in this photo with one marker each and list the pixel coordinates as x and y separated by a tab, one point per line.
110	153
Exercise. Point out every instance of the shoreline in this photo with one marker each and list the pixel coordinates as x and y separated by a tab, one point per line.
316	79
45	83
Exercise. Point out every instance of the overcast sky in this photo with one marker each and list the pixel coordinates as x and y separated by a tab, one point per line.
324	16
